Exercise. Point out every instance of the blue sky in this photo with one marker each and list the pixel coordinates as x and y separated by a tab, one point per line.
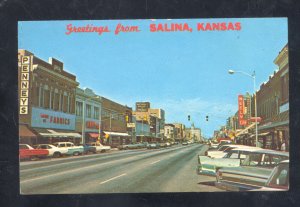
184	73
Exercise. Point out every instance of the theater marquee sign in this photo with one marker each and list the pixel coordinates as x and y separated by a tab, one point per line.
24	83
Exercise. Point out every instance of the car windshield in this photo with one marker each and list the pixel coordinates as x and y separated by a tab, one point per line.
222	148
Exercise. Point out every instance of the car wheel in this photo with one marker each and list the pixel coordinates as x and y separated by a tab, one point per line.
33	158
75	153
56	154
102	151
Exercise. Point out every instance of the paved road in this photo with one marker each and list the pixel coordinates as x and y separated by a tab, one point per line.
162	170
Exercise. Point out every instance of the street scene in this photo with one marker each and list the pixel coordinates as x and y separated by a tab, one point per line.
146	106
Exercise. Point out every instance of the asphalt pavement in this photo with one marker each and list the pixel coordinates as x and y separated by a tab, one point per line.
171	169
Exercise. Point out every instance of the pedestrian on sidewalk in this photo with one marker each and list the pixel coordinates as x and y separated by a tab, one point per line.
283	147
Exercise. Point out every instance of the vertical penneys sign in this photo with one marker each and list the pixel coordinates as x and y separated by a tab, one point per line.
24	83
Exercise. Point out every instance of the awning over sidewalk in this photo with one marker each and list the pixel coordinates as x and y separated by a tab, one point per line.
116	133
94	135
244	131
25	132
57	133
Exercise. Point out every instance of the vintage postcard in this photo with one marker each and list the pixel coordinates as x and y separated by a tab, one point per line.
153	105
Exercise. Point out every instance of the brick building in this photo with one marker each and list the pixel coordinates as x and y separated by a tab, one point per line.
46	100
273	105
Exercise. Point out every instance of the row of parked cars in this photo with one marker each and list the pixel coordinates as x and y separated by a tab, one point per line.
240	167
153	145
59	149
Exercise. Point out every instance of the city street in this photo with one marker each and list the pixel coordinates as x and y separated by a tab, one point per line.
170	169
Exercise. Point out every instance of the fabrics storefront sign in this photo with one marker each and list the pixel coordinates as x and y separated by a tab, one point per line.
43	118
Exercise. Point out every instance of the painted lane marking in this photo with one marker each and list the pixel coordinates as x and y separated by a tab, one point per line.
154	162
113	178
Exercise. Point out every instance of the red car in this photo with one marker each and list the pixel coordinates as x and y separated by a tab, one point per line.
27	152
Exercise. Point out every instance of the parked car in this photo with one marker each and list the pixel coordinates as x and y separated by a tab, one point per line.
279	178
100	147
72	149
184	143
223	150
153	146
163	144
53	150
28	152
87	148
253	172
168	144
233	158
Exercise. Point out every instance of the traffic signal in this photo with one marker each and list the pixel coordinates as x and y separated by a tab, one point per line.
189	117
206	118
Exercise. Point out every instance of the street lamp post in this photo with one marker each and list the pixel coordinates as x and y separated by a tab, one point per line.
253	76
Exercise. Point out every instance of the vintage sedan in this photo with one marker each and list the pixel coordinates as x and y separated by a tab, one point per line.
223	150
253	172
153	146
28	152
53	150
233	158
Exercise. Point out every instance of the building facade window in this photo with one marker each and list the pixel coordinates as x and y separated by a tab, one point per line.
88	111
78	108
96	112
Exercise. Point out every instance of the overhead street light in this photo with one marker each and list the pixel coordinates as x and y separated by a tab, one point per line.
253	76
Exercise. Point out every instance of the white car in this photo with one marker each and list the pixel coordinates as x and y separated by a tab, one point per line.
223	150
70	147
53	150
100	147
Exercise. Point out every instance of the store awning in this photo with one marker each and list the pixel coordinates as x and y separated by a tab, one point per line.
57	133
94	135
261	134
244	131
116	133
25	132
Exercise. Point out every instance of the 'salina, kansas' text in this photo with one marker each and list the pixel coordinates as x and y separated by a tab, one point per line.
167	27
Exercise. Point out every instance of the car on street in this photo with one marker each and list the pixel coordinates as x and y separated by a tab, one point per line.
53	150
253	172
28	152
87	148
99	147
153	146
184	143
209	166
72	149
223	150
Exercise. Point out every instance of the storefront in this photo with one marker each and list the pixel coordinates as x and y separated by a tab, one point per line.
53	126
115	139
27	135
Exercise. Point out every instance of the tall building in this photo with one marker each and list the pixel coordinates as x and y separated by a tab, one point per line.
47	95
154	117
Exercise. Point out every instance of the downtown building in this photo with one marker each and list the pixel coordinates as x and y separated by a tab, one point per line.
154	118
46	100
193	133
272	107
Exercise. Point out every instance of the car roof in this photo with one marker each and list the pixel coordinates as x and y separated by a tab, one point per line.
249	149
285	161
268	151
